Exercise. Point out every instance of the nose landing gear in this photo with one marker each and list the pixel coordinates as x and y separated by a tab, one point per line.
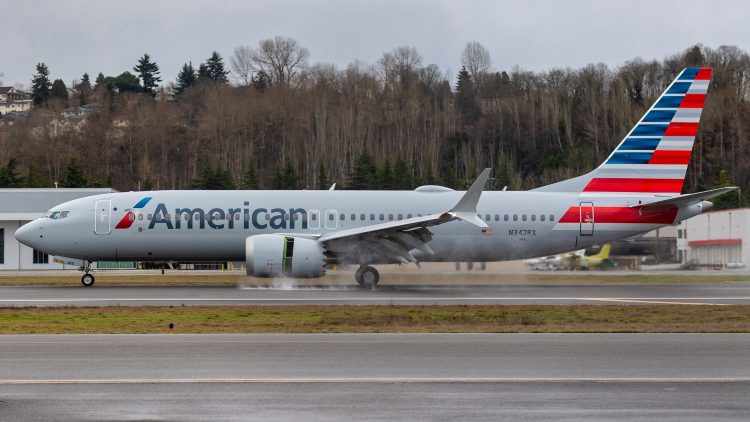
87	279
367	277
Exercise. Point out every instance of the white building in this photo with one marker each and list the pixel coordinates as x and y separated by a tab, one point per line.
715	239
19	206
14	101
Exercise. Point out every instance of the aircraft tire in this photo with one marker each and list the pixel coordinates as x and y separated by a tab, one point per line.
367	277
87	280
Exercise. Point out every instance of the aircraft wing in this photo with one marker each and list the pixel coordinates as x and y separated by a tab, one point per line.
395	240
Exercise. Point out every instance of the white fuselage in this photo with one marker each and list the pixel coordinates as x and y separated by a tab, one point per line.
213	225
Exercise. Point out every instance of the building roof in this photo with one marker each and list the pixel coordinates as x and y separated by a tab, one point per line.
5	89
35	202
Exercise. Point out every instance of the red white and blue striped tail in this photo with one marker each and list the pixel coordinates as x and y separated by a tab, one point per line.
653	157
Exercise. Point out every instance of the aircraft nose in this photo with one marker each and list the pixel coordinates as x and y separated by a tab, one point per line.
27	233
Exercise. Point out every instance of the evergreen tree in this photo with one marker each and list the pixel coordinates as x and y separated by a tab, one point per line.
210	179
59	90
729	200
250	179
125	82
323	183
41	85
401	177
84	89
203	74
363	174
215	69
278	179
385	176
186	78
74	177
9	177
466	98
261	81
290	177
148	71
694	56
100	81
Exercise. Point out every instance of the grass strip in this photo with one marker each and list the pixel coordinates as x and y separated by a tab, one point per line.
379	318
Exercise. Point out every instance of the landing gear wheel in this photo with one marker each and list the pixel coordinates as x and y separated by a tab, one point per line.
87	280
367	277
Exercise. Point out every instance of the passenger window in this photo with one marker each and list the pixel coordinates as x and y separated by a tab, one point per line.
362	217
400	216
382	217
523	217
487	218
533	217
372	217
390	217
551	218
330	216
342	216
515	217
541	217
408	215
353	217
506	217
64	214
314	216
497	217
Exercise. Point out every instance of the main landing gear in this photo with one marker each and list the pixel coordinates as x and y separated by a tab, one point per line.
87	279
367	277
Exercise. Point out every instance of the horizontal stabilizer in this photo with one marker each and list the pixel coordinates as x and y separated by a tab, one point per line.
691	198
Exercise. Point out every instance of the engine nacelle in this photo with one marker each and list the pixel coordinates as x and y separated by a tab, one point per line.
273	255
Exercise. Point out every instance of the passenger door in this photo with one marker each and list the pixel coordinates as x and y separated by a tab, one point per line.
103	217
586	218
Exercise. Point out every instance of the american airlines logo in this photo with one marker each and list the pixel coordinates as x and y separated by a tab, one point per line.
217	218
128	219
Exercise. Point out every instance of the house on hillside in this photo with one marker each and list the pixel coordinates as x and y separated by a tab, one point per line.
14	101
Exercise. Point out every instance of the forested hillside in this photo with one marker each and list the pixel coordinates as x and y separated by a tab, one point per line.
277	121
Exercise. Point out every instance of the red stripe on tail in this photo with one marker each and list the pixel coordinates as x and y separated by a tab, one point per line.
681	129
704	74
693	101
667	156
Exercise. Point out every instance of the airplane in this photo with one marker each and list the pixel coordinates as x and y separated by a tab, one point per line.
590	262
571	261
301	233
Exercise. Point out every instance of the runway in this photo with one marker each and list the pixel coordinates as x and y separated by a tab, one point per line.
633	294
375	376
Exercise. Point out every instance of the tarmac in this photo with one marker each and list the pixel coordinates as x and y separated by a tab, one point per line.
289	294
375	377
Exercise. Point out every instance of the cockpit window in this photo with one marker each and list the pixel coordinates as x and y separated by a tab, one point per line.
56	215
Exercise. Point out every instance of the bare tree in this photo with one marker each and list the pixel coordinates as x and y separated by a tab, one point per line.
400	63
476	59
242	64
280	57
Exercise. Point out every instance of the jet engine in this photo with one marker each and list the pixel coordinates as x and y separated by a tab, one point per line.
272	255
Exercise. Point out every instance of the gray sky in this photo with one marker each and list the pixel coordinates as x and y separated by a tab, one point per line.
77	36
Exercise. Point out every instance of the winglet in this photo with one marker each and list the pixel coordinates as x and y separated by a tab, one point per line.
466	207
